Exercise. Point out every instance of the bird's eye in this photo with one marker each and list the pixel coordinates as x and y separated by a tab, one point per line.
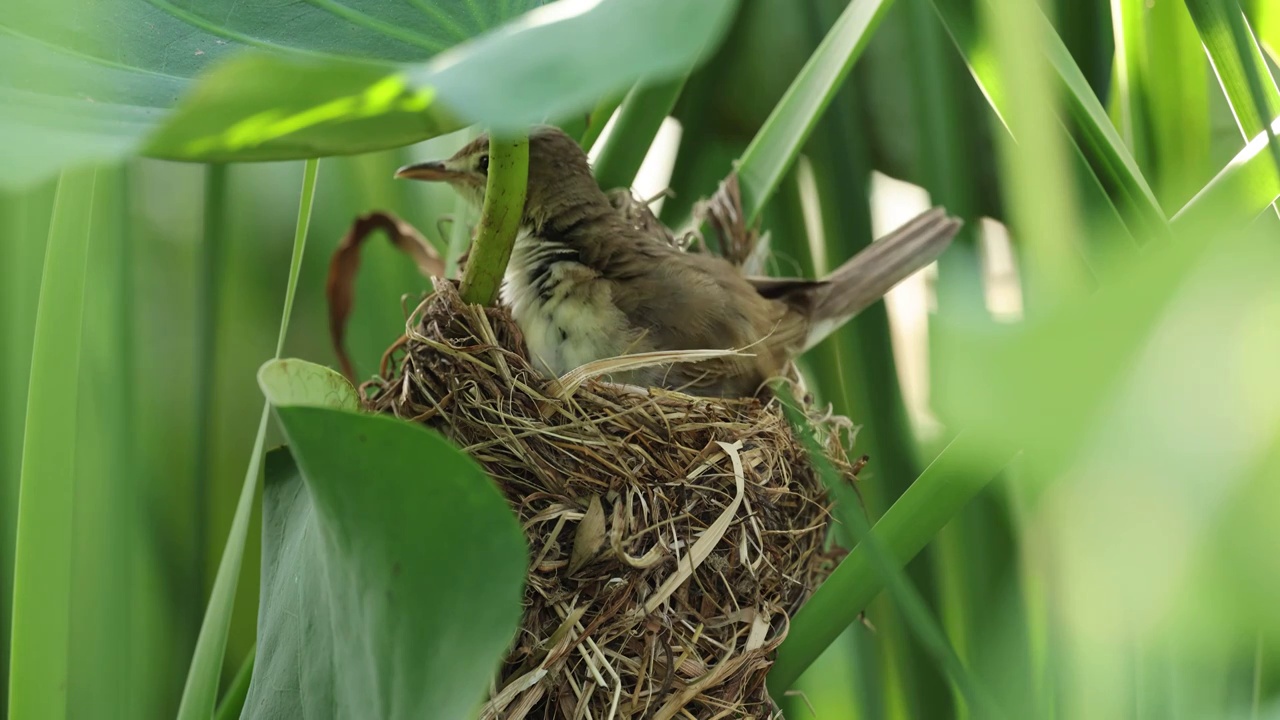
483	164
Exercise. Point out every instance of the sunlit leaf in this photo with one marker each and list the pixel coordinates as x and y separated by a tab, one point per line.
323	78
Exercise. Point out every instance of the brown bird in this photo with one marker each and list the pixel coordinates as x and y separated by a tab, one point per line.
585	284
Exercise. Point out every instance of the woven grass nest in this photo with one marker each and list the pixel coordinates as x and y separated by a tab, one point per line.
671	537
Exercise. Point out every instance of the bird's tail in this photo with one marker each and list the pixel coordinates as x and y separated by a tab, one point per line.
867	276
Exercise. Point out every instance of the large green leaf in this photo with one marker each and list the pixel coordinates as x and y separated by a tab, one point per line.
391	575
325	77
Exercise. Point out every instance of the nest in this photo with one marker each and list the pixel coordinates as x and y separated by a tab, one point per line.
671	536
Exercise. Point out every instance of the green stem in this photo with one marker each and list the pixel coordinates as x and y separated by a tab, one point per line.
207	285
642	113
499	220
200	694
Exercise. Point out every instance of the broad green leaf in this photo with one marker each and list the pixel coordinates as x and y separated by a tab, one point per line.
39	655
1141	412
392	573
298	382
324	77
95	81
1040	387
200	695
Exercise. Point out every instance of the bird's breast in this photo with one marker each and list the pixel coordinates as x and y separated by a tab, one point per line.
564	308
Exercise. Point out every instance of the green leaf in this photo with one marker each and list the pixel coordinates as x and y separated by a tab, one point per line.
1244	188
392	573
1240	66
325	77
298	382
39	659
640	117
232	703
1099	140
906	596
941	491
108	74
200	695
774	149
24	217
1238	63
1177	95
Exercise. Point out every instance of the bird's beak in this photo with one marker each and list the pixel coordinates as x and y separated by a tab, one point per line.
434	171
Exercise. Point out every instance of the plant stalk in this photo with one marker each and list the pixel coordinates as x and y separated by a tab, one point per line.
499	220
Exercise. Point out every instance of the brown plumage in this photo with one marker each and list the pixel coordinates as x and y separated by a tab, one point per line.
587	282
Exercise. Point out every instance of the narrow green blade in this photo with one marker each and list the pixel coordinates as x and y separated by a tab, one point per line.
774	149
200	695
1099	140
641	114
954	478
1240	66
39	658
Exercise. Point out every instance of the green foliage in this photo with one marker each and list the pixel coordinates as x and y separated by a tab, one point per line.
1118	566
639	117
778	143
39	669
199	697
331	79
401	609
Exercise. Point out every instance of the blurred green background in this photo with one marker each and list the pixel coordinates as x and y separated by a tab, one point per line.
1123	564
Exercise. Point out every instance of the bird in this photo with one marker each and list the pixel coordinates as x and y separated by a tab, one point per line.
586	283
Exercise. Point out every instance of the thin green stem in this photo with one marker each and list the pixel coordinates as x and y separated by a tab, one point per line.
201	691
499	220
207	284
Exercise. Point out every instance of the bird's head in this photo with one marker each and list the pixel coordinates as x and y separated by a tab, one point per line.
559	176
